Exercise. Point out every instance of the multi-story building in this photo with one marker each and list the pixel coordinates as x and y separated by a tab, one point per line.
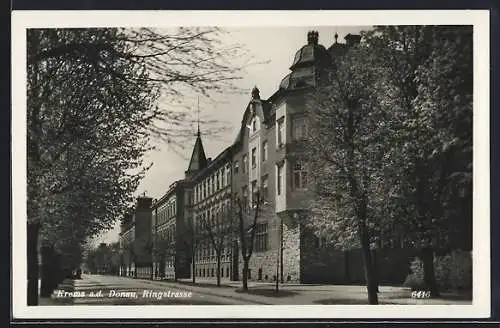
211	202
135	240
268	156
253	170
170	233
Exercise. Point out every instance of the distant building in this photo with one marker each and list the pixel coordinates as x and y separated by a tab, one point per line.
170	232
212	196
136	241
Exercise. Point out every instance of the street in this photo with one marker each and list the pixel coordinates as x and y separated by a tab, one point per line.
113	290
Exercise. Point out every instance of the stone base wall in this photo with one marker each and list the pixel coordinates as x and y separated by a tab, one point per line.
263	264
291	253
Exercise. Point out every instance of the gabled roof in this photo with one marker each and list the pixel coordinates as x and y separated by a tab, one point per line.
198	158
264	111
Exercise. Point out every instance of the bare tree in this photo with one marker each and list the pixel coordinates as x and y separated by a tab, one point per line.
246	216
94	102
219	229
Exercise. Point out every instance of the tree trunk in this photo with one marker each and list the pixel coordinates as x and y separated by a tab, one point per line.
235	263
429	273
245	274
218	270
194	266
33	265
368	266
375	269
49	274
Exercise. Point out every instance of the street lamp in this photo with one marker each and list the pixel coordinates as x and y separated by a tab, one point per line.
278	255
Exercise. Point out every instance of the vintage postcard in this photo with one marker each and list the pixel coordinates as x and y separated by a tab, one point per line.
250	164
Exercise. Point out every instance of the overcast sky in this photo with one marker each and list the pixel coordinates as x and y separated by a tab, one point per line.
277	45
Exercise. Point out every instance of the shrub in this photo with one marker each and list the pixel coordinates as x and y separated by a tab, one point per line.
415	279
453	272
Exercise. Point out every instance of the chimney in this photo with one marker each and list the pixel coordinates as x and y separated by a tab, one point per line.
312	37
352	39
255	93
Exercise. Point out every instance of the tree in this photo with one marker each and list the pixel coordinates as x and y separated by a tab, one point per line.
84	141
219	229
246	216
430	70
166	251
347	142
102	259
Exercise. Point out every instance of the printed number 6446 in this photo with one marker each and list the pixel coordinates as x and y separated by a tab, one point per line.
420	294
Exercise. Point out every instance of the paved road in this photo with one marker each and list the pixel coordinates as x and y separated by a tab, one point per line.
112	290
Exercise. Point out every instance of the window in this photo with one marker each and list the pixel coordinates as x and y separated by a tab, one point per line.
264	151
279	186
236	166
228	175
254	191
299	128
299	176
244	193
261	237
281	131
254	157
218	180
254	124
212	179
265	187
245	163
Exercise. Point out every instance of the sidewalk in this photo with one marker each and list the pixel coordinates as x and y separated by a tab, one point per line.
296	294
263	293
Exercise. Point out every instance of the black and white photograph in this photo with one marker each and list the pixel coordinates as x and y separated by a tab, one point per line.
277	164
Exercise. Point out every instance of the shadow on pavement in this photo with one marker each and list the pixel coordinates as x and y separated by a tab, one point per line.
348	301
267	292
199	284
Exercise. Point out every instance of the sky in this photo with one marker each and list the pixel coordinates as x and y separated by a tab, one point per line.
276	47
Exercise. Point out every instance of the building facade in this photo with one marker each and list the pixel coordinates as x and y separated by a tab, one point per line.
268	156
170	234
211	202
136	241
